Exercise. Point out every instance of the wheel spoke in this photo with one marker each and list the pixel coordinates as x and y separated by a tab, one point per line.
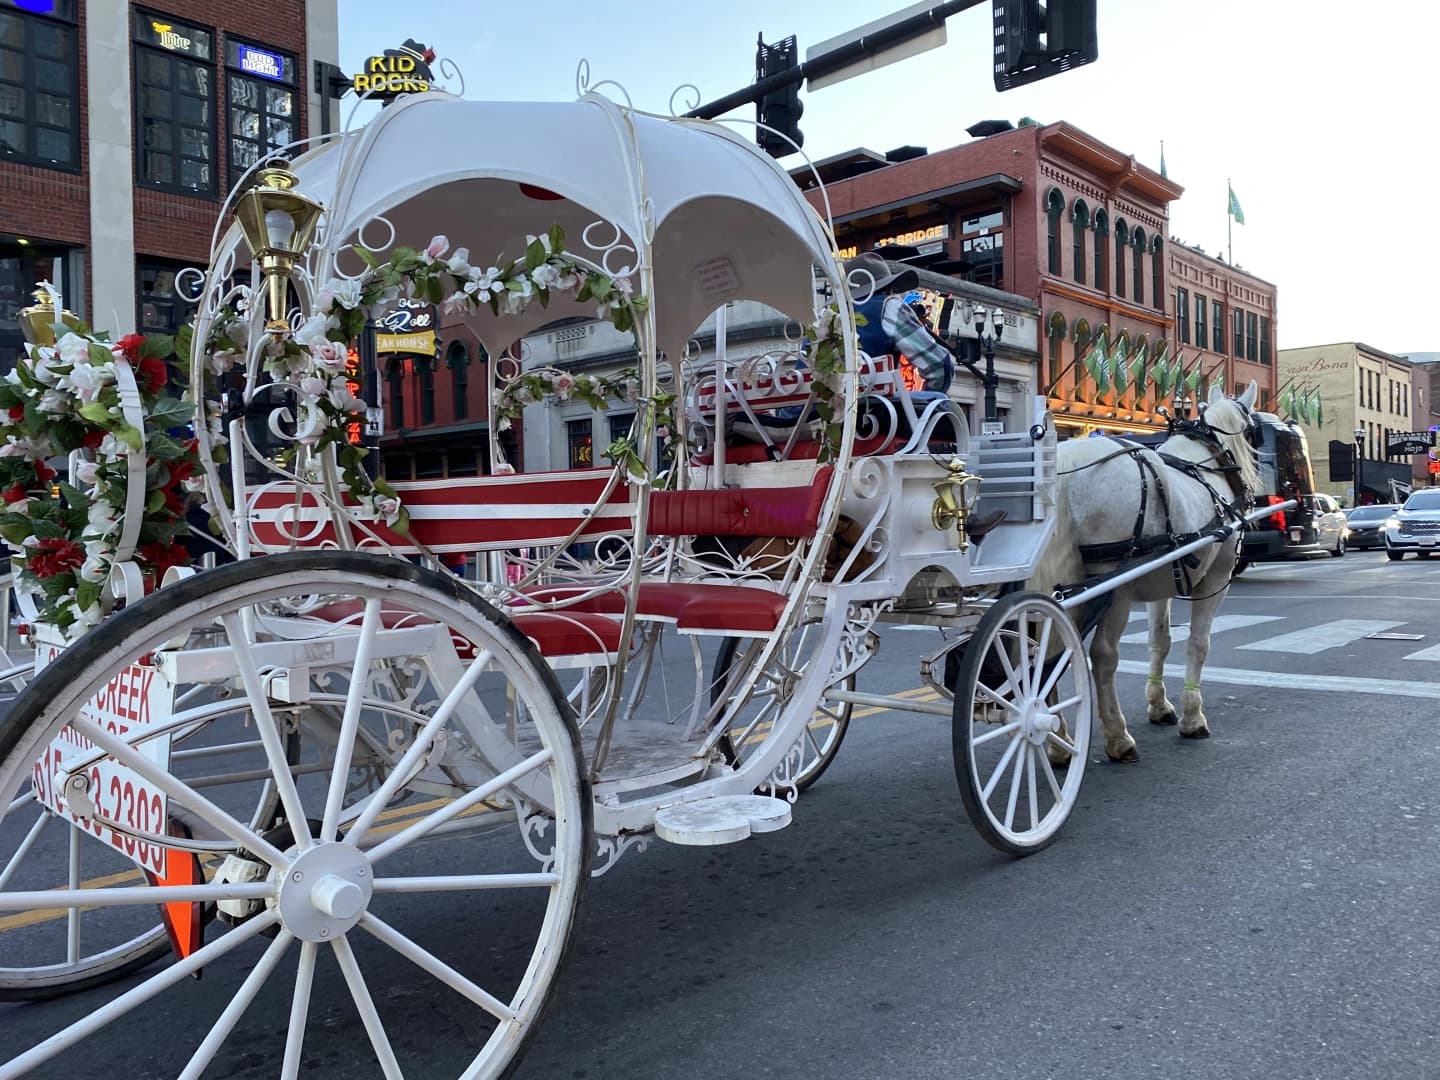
350	722
980	740
267	729
453	882
432	964
419	747
1022	643
1062	742
1050	777
459	806
996	697
1030	754
1015	785
1062	664
1068	703
25	845
220	1030
998	645
299	1012
1040	650
72	916
1000	768
360	994
137	894
94	1021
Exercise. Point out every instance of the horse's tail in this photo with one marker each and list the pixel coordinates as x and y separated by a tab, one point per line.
1059	562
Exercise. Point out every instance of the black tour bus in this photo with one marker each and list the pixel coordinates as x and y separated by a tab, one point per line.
1284	474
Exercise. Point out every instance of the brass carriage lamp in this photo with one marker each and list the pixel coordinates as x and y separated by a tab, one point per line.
955	496
279	226
38	321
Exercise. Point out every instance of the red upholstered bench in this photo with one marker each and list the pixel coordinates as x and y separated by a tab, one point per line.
555	634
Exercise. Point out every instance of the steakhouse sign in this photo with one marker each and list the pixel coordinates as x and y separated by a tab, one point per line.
134	700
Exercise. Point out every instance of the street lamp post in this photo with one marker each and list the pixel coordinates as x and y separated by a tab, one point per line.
985	346
1359	463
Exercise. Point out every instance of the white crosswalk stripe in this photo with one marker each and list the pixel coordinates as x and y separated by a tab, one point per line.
1181	631
1432	653
1314	639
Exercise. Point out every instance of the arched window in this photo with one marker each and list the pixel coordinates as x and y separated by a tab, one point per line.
1054	209
1142	352
1157	273
1079	223
1080	335
457	359
395	376
1102	247
425	375
1137	240
1122	239
1057	342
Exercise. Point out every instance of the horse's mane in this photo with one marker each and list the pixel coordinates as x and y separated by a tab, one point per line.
1229	420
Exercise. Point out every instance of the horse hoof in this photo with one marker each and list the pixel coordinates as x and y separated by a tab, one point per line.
1198	733
1168	719
1129	757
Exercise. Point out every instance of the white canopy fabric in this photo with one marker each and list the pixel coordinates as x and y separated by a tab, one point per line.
724	221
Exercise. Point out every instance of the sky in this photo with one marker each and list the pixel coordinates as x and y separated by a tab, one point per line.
1319	113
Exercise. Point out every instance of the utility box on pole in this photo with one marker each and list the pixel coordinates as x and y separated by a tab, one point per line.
1342	461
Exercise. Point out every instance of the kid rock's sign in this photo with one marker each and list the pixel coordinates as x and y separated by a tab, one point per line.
405	70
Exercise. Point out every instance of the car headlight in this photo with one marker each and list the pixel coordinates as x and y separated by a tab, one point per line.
1391	523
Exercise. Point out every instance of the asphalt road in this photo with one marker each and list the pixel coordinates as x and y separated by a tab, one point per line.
1260	904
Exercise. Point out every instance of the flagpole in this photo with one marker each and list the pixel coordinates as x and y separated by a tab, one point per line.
1229	224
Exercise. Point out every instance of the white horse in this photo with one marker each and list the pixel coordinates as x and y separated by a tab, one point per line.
1118	503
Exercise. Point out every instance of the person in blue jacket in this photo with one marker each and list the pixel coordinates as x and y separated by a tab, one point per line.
891	325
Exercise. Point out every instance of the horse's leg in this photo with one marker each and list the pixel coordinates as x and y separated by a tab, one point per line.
1104	659
1160	709
1202	616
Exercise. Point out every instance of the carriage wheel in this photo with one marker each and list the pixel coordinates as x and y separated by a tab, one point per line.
426	716
749	726
1022	700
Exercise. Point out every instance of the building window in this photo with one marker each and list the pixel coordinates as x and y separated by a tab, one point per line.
457	359
1139	243
22	267
260	85
620	426
1252	348
1182	315
1202	333
163	307
395	376
986	255
39	85
1264	340
581	444
1054	208
1217	324
1057	343
425	376
174	105
1080	224
1238	333
1122	238
1157	273
1102	248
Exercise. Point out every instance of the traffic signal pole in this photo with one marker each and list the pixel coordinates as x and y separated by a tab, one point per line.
832	61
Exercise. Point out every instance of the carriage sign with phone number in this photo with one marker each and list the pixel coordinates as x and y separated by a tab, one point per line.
133	700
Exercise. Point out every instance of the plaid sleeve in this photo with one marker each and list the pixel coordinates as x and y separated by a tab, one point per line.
914	342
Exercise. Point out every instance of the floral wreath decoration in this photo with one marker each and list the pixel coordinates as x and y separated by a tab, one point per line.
67	396
313	359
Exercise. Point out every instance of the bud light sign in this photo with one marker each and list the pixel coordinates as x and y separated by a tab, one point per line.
267	65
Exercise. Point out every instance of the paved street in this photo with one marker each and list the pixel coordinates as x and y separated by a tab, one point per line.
1258	904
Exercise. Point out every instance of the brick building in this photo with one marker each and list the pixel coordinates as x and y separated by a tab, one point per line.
122	128
1071	224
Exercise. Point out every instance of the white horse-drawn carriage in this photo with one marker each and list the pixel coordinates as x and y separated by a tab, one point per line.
304	751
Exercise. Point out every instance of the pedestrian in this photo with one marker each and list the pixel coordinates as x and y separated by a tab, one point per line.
891	325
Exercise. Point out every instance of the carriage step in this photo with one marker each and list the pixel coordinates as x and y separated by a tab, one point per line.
723	819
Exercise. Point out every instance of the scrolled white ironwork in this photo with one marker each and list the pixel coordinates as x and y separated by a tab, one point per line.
608	850
584	86
450	70
609	249
689	102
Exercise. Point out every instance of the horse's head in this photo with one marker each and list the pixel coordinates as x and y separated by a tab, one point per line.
1238	430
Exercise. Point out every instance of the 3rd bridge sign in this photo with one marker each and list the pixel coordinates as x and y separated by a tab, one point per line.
1401	443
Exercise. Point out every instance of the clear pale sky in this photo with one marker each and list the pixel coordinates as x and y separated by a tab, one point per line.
1322	113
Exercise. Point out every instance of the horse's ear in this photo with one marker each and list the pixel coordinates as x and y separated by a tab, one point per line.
1217	392
1248	397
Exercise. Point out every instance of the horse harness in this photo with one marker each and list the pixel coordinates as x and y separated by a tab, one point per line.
1138	545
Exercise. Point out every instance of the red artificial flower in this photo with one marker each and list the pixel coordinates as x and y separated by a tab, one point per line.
91	440
173	502
17	412
56	556
14	494
162	556
130	346
180	470
43	472
151	374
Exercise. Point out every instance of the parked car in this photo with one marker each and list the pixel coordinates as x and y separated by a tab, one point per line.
1366	525
1314	526
1416	526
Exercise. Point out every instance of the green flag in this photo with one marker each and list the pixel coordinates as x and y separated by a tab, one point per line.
1162	160
1139	368
1193	380
1235	211
1095	361
1165	374
1118	373
1319	409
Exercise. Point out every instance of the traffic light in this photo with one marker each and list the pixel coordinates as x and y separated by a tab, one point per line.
1034	40
780	109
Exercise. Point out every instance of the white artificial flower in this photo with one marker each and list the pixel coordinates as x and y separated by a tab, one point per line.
223	361
102	518
314	386
73	349
382	302
503	468
516	299
89	616
20	446
344	292
112	447
330	355
97	561
312	331
53	402
437	247
456	303
544	242
87	472
459	263
344	399
483	284
567	281
545	276
562	386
